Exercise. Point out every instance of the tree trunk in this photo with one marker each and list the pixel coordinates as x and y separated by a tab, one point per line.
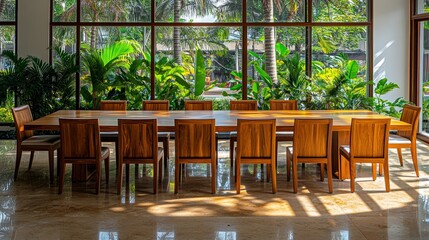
177	53
2	7
93	37
270	41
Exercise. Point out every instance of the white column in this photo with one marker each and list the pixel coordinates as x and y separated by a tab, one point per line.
391	44
33	28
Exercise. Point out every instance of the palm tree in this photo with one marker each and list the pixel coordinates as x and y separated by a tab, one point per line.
179	7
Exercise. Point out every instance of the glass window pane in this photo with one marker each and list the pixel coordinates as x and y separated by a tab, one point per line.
422	6
340	11
7	42
128	74
337	50
64	11
424	75
198	11
7	11
116	11
275	75
64	38
221	62
275	11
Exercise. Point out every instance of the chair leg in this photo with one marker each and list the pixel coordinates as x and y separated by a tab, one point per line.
160	170
18	161
386	176
31	160
374	171
231	153
288	165
127	174
329	168
58	163
51	166
97	178
295	175
277	152
62	167
120	174
165	145
213	168
274	177
380	169
136	170
177	170
352	176
107	170
400	156
322	172
155	177
414	156
237	176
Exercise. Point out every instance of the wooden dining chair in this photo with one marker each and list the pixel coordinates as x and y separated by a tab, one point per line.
369	139
256	139
112	105
27	141
312	143
195	143
235	105
407	139
283	105
81	145
198	105
138	144
164	137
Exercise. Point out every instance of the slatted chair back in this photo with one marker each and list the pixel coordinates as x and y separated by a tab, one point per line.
198	105
80	140
138	140
410	114
195	143
312	138
21	116
369	139
156	105
243	105
283	105
113	105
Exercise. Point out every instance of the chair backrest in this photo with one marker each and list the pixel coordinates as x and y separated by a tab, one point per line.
80	139
21	116
156	105
243	105
312	138
369	138
195	138
410	114
113	105
198	105
283	105
138	139
256	138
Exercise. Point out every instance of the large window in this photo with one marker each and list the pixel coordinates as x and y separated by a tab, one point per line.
7	43
419	74
212	49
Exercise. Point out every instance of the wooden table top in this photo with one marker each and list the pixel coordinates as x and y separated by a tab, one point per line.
225	120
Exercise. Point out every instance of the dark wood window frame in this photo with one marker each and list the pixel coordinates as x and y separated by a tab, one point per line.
308	24
414	76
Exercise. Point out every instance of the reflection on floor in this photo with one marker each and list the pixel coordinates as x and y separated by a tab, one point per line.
31	209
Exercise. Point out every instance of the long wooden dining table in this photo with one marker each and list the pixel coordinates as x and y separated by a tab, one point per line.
227	121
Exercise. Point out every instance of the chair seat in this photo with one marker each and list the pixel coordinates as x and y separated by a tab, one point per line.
396	139
105	152
41	140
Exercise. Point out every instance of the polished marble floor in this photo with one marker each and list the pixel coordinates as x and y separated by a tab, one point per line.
30	208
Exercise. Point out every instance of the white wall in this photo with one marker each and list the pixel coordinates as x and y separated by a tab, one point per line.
33	28
391	44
